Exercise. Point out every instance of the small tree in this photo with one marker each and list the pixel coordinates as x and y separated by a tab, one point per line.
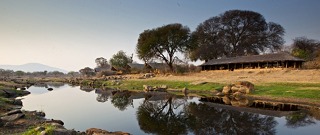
19	73
102	63
120	59
305	48
87	72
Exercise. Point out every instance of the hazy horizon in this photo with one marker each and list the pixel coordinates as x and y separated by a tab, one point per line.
71	34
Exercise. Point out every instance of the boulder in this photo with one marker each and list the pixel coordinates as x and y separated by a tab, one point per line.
13	117
147	88
13	112
219	94
96	131
17	102
226	89
248	85
161	88
50	89
226	100
244	87
54	121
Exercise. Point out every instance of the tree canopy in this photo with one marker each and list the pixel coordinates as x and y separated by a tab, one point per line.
102	62
305	48
120	59
235	33
163	43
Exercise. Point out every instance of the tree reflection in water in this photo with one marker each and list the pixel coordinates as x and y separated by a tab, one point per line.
299	119
177	116
121	100
209	120
163	116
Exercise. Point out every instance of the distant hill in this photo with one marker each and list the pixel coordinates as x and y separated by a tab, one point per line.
32	67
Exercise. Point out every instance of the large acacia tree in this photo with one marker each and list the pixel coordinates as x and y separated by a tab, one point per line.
163	43
235	33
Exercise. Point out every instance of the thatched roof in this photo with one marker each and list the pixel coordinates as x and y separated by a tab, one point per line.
254	59
159	66
136	66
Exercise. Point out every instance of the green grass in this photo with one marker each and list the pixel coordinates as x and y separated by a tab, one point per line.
293	90
138	85
32	130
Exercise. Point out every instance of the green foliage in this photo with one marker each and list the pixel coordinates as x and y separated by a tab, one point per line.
305	48
120	60
235	33
102	62
163	43
32	130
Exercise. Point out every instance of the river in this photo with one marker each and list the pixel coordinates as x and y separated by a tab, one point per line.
159	113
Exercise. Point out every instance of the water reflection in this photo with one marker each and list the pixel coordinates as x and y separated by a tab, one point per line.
164	113
120	100
204	119
164	116
299	119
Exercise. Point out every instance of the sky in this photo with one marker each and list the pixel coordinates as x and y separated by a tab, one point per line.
71	34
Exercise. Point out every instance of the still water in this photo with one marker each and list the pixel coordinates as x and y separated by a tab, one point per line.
159	113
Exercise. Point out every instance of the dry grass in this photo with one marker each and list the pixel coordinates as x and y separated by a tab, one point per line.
256	76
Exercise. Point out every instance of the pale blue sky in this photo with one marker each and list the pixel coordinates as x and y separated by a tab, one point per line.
70	34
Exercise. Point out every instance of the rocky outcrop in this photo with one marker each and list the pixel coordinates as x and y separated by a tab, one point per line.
55	121
243	87
96	131
161	88
12	117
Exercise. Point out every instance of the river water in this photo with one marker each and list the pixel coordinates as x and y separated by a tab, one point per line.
160	113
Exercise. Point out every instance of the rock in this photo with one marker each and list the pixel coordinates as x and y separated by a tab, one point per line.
185	90
50	89
226	89
147	88
22	88
148	75
238	95
17	102
54	121
96	131
40	114
226	100
13	117
248	85
219	94
161	88
13	112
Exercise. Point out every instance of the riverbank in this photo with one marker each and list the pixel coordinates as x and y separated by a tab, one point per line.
288	86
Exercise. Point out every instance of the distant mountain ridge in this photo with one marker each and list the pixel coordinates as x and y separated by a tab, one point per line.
32	67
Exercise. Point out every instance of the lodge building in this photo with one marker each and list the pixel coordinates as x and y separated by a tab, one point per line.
275	60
